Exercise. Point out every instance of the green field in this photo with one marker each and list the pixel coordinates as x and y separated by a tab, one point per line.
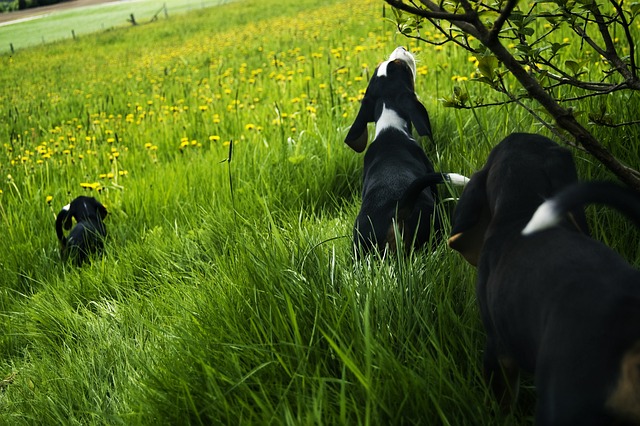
69	23
228	292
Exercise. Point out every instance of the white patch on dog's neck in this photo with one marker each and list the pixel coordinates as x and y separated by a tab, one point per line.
390	119
67	207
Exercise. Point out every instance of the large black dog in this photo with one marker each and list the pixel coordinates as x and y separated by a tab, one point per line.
87	237
556	303
396	168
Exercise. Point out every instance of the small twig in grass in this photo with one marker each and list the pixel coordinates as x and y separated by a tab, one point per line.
228	161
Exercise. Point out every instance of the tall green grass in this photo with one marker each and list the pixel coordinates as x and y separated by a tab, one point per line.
228	292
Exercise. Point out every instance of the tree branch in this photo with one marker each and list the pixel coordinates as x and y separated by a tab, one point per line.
436	13
626	25
504	15
470	23
564	118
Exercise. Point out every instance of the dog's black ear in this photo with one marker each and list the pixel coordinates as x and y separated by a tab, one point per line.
68	217
63	220
358	135
102	210
417	113
471	219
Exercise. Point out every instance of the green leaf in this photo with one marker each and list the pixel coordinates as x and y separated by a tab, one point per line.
573	66
487	65
527	31
557	46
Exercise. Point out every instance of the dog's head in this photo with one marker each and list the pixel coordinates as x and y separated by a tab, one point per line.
81	209
391	87
520	173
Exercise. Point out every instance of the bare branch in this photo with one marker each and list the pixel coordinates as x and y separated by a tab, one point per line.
614	125
626	25
432	14
464	25
504	15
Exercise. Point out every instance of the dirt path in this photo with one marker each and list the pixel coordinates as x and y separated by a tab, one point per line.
37	11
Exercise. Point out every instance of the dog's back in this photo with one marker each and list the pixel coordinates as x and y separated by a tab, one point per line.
610	302
390	168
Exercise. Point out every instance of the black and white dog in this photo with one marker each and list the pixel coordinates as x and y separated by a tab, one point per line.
87	237
555	302
398	191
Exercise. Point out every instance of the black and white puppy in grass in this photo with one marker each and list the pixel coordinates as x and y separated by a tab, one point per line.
398	191
87	236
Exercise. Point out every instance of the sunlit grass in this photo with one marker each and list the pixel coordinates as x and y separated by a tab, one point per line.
228	292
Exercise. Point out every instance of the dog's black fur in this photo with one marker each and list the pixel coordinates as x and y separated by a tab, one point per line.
393	161
87	236
555	303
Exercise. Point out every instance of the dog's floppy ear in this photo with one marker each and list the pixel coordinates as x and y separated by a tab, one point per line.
102	210
67	214
358	135
471	219
417	113
63	220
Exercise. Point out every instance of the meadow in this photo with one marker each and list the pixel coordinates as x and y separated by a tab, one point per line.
228	292
56	25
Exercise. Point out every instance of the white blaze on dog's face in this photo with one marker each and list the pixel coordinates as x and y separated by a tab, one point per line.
67	207
402	54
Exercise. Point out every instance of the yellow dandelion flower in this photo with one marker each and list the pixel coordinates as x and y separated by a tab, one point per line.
48	199
214	138
90	185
